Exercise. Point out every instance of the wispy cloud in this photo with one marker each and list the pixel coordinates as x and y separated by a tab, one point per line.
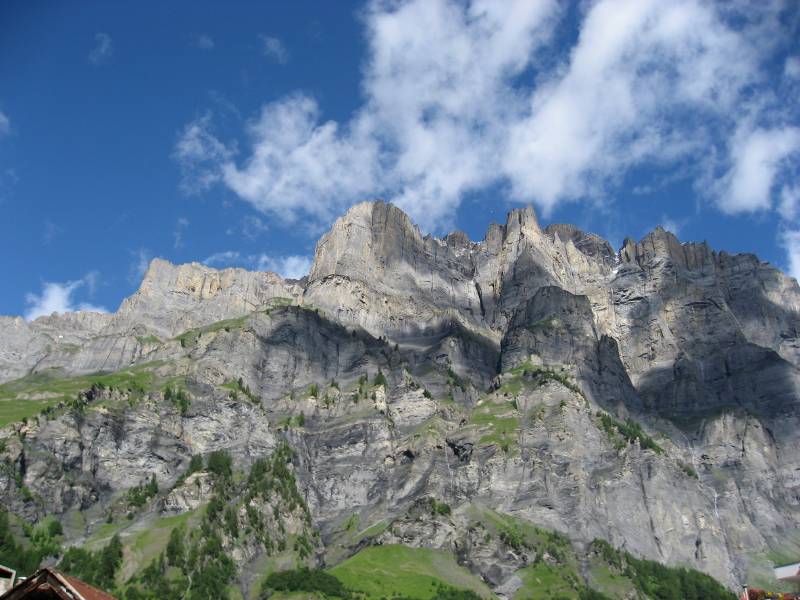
274	49
757	160
288	267
199	153
177	234
138	267
60	298
102	51
50	232
253	227
790	240
5	124
791	68
203	41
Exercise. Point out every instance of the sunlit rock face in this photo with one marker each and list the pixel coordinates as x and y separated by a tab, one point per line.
407	367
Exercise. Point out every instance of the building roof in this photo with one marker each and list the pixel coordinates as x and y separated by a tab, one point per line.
49	584
790	572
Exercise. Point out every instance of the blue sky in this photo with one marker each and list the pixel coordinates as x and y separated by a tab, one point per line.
234	135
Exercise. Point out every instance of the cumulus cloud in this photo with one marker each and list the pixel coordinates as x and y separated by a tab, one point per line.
139	264
60	298
102	51
463	96
288	267
757	156
274	49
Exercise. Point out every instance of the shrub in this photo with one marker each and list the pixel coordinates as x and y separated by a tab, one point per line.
380	379
304	580
220	464
54	529
629	431
440	508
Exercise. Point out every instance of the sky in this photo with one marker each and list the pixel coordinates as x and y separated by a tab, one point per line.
234	134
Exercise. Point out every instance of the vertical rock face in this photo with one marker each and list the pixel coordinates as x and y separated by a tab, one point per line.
173	299
497	373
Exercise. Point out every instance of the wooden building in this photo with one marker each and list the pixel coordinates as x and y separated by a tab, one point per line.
49	584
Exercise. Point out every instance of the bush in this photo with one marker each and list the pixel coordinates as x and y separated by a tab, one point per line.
440	508
304	580
95	568
380	379
220	464
54	529
140	494
629	431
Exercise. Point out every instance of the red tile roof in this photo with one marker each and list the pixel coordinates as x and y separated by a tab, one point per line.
86	591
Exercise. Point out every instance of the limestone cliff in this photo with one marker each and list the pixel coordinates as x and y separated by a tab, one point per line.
647	397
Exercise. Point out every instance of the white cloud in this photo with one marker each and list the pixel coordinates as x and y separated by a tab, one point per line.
139	265
462	96
177	234
790	240
274	49
789	207
757	156
298	164
102	51
203	41
791	68
199	153
59	298
672	225
5	124
288	267
50	232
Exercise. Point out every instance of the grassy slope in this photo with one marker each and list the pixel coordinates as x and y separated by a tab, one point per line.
26	397
384	571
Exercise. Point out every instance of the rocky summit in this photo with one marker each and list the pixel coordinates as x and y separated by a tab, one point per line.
534	415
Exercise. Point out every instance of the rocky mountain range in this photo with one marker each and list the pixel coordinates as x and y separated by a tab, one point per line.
529	414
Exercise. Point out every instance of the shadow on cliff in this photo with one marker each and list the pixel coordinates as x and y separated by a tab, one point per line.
742	377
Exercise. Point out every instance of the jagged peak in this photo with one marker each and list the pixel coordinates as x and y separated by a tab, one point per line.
523	218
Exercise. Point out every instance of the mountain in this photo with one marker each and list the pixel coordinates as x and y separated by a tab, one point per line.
533	413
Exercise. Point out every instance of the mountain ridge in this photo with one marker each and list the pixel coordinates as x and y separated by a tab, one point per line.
647	397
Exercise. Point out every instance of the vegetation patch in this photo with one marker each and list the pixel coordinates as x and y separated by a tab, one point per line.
25	556
531	377
237	387
654	580
500	423
189	338
623	433
179	397
390	570
543	581
138	495
43	392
